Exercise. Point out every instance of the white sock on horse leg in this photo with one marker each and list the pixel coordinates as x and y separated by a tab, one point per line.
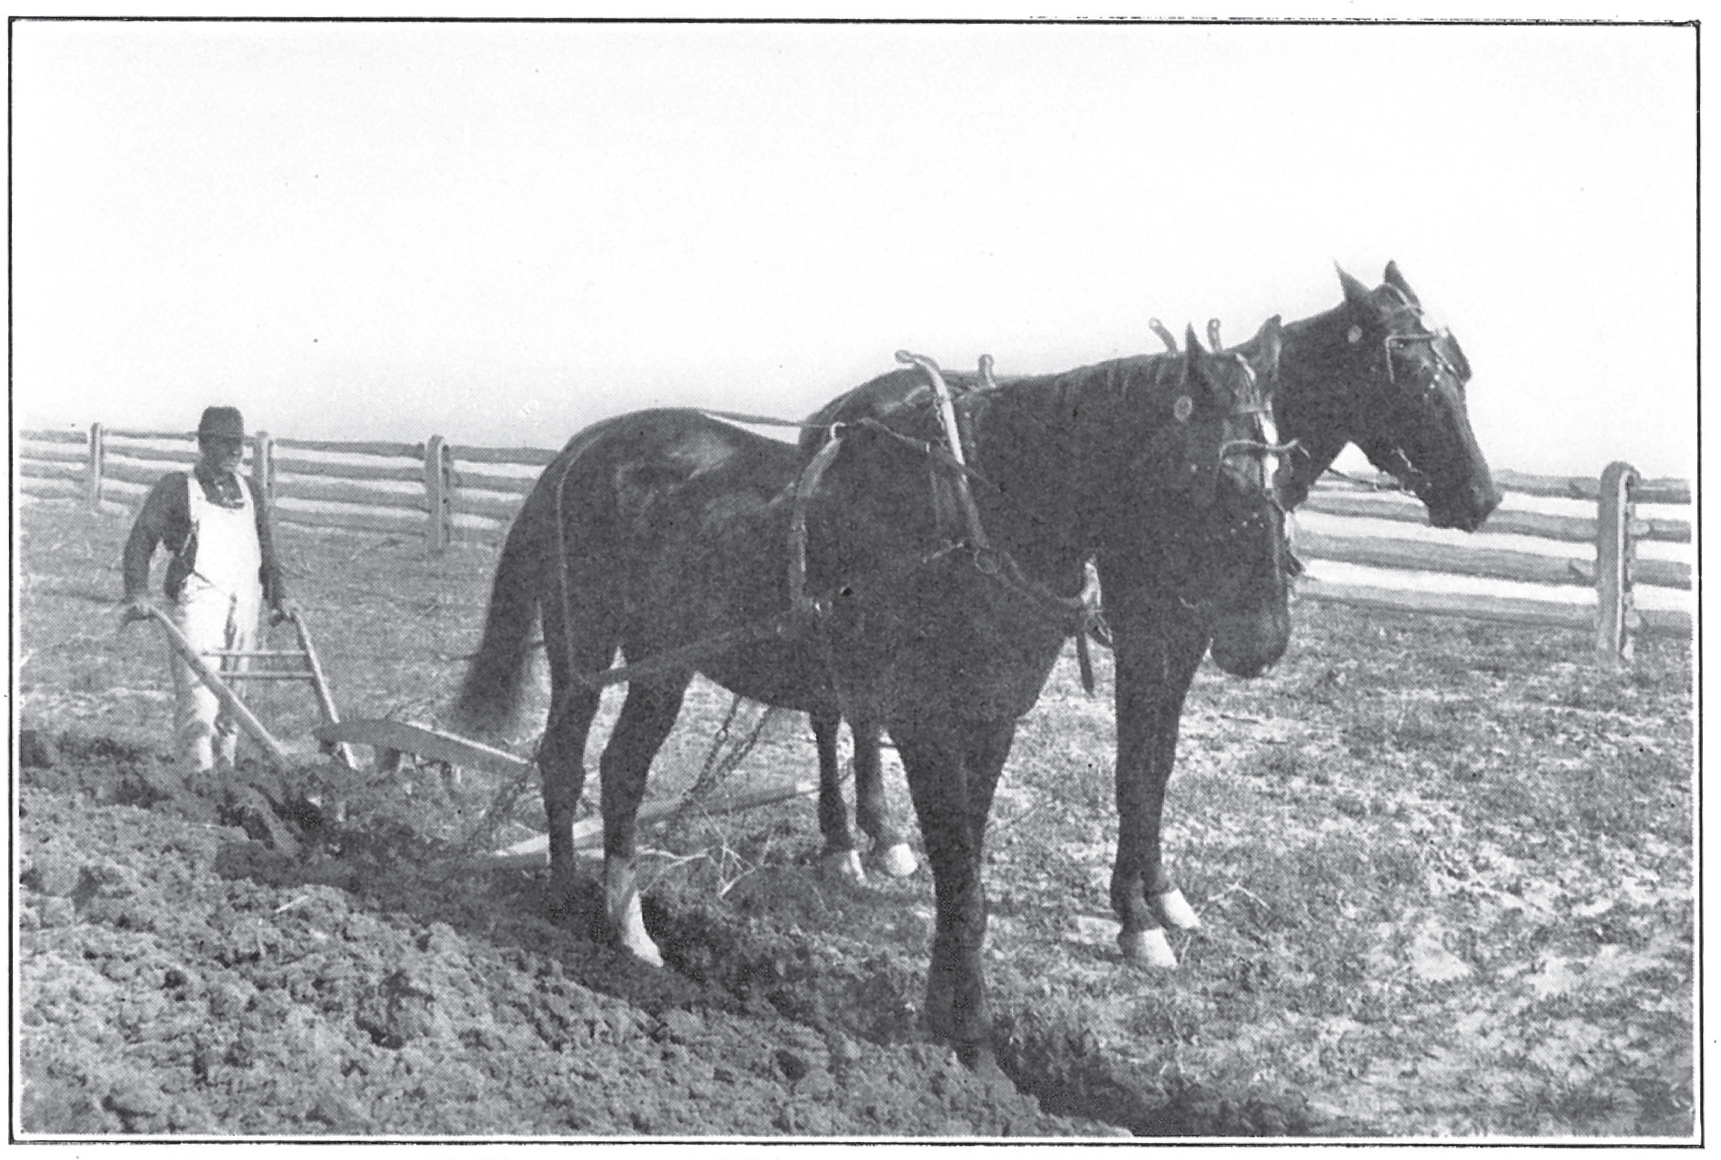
621	903
844	864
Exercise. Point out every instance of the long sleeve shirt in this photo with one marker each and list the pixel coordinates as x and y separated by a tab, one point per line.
166	519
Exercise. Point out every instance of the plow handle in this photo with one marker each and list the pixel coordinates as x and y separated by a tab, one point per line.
247	719
325	699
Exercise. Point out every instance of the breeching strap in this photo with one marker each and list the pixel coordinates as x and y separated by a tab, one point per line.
761	420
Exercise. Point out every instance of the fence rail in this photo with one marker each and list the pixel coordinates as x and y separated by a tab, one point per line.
455	493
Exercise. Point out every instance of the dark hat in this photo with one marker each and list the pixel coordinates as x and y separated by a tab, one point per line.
221	423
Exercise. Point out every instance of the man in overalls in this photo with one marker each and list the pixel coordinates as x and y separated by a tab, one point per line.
222	571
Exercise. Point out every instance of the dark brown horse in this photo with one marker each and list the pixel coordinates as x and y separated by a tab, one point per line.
1370	372
652	533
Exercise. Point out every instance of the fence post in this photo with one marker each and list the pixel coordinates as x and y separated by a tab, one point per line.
93	469
437	486
1613	565
263	466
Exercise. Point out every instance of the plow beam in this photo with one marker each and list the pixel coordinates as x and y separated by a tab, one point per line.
404	737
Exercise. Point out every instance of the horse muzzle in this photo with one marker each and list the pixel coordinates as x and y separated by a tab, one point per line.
1468	509
1248	643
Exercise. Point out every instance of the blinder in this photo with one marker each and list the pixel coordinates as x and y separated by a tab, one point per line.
1442	345
1183	457
1191	452
1447	349
1199	460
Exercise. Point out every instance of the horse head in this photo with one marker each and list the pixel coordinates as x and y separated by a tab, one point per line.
1408	412
1249	618
1218	456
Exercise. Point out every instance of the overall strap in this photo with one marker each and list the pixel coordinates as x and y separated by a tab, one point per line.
195	501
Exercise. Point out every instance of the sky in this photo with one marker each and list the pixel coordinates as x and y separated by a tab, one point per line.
502	232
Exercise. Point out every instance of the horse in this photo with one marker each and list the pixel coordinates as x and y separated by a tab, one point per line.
1370	372
943	629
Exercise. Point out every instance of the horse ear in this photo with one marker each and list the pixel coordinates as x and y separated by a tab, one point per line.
1269	341
1394	278
1356	294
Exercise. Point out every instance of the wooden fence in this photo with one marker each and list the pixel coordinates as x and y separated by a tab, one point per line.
449	493
1532	553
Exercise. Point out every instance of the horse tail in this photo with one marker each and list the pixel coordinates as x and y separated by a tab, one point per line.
496	676
534	551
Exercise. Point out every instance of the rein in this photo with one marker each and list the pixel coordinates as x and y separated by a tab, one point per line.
1371	484
1079	616
761	420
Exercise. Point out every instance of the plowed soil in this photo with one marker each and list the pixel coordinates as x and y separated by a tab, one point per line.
181	976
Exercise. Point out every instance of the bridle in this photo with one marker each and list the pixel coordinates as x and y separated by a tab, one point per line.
1392	457
1436	340
1257	409
1256	405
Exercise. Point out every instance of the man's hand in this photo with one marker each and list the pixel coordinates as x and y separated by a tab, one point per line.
138	609
281	613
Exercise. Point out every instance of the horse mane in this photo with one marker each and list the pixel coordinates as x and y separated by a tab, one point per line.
1133	379
1060	402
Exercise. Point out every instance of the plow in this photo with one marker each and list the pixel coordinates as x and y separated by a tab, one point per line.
390	740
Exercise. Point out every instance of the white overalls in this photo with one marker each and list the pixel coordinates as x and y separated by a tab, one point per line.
218	609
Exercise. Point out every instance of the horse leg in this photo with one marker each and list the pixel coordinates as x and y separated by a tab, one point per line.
1156	656
646	718
951	777
562	752
890	852
562	767
840	857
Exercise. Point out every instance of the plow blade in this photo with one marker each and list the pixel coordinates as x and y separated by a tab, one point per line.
402	737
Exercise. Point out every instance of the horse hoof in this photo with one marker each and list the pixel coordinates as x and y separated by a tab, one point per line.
983	1062
846	865
1148	948
627	924
1176	911
896	861
642	949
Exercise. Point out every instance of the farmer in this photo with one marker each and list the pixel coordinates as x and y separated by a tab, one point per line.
222	570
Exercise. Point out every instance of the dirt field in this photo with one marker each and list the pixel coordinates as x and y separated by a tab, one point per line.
1445	871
